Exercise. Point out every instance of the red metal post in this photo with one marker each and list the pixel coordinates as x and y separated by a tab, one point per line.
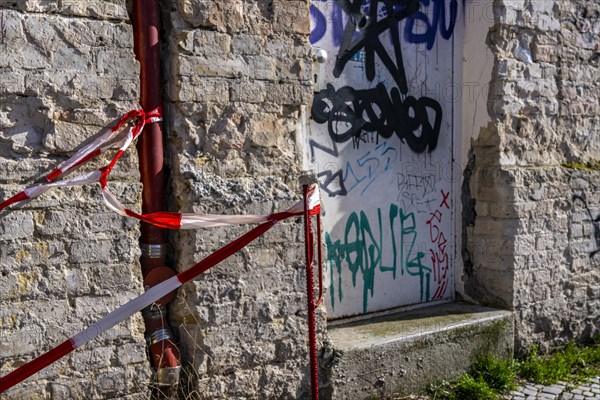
320	258
164	353
310	297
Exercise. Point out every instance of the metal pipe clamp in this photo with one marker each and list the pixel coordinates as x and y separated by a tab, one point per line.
153	250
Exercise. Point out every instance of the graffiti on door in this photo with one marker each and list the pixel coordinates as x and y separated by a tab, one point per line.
381	144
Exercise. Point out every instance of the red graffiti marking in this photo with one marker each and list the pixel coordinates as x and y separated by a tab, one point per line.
445	199
439	257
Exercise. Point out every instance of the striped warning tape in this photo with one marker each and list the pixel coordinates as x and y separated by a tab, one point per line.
115	137
141	302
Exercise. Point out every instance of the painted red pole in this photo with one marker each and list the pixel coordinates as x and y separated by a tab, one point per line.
310	297
164	353
320	258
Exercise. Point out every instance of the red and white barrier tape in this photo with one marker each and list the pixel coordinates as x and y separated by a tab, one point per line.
115	137
163	219
141	302
107	140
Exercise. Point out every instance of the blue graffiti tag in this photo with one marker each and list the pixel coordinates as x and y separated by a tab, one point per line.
439	21
320	24
421	27
334	21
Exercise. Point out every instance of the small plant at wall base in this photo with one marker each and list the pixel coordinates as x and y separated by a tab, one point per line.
486	379
499	375
571	363
490	377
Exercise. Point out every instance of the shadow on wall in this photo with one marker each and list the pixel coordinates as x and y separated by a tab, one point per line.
595	221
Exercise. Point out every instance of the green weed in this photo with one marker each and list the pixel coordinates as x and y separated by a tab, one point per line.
500	375
570	363
467	388
440	390
488	377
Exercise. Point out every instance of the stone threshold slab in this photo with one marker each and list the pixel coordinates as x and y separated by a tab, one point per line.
411	325
404	352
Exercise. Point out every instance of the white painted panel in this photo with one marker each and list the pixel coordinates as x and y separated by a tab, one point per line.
381	141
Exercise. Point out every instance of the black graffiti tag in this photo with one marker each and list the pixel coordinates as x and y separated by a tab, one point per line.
357	114
370	27
351	113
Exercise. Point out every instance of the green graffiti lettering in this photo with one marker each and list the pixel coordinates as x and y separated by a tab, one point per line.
393	215
354	247
334	258
372	260
414	266
361	251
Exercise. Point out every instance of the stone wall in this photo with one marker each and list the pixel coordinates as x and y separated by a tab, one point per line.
239	73
66	69
237	78
236	74
536	178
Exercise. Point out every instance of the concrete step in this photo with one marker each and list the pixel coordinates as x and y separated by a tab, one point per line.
403	352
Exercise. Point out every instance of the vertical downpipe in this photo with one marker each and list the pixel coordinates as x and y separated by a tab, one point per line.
153	241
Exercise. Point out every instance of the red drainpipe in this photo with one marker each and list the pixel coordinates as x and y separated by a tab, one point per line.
153	241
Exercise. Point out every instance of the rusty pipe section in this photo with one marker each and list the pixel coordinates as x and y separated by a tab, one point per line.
164	354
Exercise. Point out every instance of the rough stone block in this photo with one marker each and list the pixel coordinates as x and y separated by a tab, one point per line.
213	67
403	352
111	383
16	225
123	61
205	90
247	44
11	81
27	392
71	389
112	9
227	16
210	43
93	358
261	67
291	16
85	251
65	137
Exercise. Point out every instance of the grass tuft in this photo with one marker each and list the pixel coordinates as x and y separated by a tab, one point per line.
570	363
486	380
468	387
500	375
490	377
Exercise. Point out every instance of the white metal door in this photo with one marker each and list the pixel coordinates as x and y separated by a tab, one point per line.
381	141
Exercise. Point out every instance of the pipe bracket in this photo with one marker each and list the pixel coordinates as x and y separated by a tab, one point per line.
159	335
153	250
168	376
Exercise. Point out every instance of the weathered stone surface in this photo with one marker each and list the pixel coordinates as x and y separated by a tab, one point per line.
536	181
237	74
238	78
217	15
66	69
